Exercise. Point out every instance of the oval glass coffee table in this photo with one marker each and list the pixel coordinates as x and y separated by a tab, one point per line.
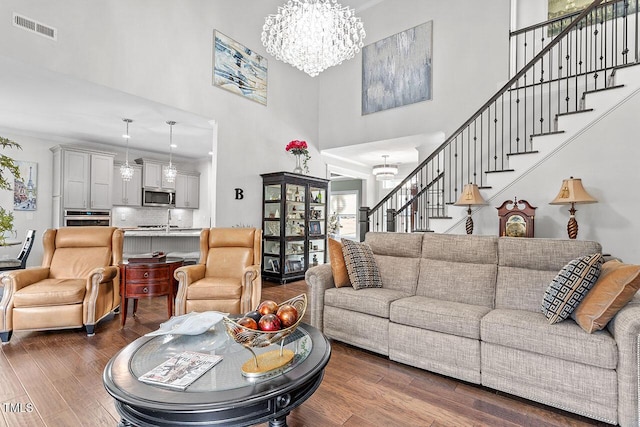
222	396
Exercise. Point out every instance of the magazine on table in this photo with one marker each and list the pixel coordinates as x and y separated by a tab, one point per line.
181	370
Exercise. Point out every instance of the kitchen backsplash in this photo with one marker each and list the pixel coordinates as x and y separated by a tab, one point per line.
132	217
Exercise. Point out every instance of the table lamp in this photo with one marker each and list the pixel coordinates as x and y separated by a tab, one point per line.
572	192
470	197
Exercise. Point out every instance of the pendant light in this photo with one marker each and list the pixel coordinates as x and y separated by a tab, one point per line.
170	171
385	172
126	171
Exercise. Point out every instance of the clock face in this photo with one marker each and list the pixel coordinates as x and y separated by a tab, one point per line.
516	226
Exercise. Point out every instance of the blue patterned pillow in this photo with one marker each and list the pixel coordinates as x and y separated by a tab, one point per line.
570	286
361	266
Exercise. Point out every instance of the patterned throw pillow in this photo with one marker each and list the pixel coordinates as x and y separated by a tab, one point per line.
361	266
570	286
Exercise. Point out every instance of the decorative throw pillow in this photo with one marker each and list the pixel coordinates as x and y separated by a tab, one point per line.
361	266
616	286
338	266
570	286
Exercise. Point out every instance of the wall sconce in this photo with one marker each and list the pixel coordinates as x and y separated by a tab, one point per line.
572	192
470	197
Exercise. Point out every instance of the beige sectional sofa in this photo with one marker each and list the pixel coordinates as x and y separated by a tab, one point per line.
469	307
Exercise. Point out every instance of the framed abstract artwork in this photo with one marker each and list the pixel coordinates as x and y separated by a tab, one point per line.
397	70
238	69
25	189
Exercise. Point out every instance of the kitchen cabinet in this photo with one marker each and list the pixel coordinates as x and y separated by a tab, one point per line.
127	193
187	191
294	224
83	179
153	174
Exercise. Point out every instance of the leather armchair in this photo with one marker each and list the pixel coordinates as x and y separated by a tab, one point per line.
227	277
76	286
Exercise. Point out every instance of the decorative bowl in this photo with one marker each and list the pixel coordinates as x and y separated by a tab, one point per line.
255	338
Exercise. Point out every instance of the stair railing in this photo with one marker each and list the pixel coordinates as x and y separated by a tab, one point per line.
581	58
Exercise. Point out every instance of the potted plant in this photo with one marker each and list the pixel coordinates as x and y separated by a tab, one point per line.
7	164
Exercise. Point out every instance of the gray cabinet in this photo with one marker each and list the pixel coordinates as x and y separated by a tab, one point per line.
82	180
153	174
187	191
101	181
127	193
86	178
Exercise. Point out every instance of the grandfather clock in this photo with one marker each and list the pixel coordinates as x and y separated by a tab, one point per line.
516	218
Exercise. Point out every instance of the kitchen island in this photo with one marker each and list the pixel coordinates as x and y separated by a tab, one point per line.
178	242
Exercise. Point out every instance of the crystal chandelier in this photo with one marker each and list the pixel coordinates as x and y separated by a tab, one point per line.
126	171
313	35
170	171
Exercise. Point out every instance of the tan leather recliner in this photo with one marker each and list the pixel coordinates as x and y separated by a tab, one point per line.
77	285
227	276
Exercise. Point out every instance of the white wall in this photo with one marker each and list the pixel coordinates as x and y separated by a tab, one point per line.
470	57
605	158
33	150
162	50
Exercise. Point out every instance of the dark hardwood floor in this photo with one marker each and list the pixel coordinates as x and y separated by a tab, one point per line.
55	379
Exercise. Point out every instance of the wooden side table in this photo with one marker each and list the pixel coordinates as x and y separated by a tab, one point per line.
152	279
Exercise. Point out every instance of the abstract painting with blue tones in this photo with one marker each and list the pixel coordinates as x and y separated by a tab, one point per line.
396	71
239	69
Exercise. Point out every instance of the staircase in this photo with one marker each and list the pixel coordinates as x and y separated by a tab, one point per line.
571	82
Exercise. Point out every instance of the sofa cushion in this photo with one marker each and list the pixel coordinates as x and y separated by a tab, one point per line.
460	248
361	265
528	331
458	268
542	254
403	245
398	258
448	317
527	266
374	301
212	288
615	287
51	292
570	286
338	266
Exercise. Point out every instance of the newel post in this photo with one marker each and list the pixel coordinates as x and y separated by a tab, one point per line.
391	220
363	222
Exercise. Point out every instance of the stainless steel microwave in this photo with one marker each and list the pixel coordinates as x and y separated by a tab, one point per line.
161	198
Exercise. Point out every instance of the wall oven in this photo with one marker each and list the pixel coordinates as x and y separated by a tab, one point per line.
78	218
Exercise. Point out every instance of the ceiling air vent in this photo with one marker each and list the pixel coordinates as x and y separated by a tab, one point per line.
34	26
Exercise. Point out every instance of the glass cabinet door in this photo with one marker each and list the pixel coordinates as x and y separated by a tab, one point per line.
317	252
271	252
294	256
272	211
295	206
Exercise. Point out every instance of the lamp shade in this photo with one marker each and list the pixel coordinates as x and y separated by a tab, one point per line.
572	191
470	196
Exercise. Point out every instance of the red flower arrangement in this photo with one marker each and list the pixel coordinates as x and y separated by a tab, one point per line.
299	148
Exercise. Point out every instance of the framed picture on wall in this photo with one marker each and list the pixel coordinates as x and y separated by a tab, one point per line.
25	189
396	71
238	69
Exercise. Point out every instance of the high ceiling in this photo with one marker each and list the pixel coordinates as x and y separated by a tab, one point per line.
60	108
